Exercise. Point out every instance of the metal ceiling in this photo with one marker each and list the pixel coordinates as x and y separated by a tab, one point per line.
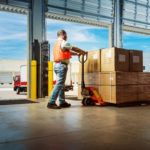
13	9
98	10
136	13
17	3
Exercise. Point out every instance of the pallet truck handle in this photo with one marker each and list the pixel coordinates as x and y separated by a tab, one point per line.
83	56
82	61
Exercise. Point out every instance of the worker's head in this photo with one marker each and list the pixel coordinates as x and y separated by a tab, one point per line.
62	34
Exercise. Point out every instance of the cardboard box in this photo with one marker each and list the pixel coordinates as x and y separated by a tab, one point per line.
114	78
144	93
79	92
119	94
90	78
136	61
115	94
143	78
119	87
114	59
93	63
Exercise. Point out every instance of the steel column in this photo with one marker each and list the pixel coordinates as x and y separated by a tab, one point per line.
99	8
38	9
147	12
36	31
116	27
111	35
29	42
65	7
83	5
135	14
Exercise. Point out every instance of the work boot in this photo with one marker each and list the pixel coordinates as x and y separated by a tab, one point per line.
52	105
65	104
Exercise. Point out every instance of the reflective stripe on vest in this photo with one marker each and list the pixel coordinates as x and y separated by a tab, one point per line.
58	53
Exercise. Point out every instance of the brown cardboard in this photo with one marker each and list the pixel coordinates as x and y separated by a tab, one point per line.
144	93
136	61
143	78
116	94
114	59
119	87
122	94
119	94
86	68
113	78
90	78
93	63
118	78
79	92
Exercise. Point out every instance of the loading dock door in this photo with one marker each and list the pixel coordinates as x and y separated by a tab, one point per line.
5	78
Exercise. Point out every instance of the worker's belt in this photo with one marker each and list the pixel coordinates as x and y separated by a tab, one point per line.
61	62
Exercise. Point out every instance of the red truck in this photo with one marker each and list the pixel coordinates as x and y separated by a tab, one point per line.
20	81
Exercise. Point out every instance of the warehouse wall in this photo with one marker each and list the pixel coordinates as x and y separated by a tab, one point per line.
8	69
12	67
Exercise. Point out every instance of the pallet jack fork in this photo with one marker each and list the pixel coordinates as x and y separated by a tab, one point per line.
90	95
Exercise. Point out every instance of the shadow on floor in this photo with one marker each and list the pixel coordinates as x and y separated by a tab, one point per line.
17	101
127	104
71	97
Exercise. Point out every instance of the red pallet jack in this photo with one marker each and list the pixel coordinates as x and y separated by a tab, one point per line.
90	95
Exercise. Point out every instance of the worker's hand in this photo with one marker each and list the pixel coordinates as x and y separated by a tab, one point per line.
75	54
84	52
78	54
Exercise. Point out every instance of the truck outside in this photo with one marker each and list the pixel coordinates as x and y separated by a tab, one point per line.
20	81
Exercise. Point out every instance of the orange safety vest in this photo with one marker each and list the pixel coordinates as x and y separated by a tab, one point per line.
58	53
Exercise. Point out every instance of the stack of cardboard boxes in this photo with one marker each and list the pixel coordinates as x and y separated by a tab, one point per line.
117	74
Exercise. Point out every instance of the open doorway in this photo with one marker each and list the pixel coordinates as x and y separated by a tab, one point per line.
13	53
86	37
138	42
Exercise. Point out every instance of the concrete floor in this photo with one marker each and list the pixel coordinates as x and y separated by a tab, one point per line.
34	127
8	94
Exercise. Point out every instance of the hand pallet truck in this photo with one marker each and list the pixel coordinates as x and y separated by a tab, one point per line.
90	95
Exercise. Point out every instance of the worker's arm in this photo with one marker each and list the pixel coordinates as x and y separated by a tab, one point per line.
78	50
74	54
67	46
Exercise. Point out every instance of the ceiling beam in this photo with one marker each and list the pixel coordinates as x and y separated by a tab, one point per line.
136	30
76	20
13	9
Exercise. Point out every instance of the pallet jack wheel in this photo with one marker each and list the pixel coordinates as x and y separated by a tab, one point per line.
89	102
83	101
18	90
92	103
90	93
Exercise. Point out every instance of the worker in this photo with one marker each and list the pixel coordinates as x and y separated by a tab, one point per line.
62	52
